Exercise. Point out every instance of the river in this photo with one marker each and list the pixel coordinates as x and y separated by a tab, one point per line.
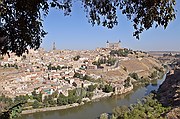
92	110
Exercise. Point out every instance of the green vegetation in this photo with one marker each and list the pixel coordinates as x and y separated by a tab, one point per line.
5	102
103	116
99	12
49	100
78	75
35	104
143	81
89	95
109	62
76	58
75	96
62	100
134	76
158	73
50	67
127	82
91	88
119	111
11	65
12	112
107	88
36	96
159	69
86	77
97	63
154	75
35	101
58	67
148	108
10	109
21	99
120	52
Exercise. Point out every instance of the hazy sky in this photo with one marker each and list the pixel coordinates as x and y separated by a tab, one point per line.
74	32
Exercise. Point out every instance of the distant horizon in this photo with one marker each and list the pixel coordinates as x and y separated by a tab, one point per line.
125	47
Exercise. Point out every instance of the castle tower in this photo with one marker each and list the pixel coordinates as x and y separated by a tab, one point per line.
54	46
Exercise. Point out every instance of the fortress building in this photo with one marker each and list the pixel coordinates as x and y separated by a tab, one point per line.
114	46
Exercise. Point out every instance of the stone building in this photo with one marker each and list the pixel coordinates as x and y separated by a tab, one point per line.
114	46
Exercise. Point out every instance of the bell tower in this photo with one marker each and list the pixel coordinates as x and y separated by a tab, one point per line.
119	44
107	44
54	46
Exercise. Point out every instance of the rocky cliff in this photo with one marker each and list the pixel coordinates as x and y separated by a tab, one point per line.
169	94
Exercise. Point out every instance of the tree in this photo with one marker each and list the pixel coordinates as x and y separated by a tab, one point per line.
149	108
89	95
21	20
134	76
35	104
49	100
120	52
119	111
21	98
154	74
127	82
38	97
76	58
111	61
91	88
62	100
12	112
78	75
107	88
103	116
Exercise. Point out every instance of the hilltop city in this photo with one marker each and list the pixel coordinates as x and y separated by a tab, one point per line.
99	73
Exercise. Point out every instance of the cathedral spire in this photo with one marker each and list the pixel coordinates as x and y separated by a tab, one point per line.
54	46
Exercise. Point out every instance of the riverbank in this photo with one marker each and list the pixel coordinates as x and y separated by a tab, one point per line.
94	98
50	108
93	109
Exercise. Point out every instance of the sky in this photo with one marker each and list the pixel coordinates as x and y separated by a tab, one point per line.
75	33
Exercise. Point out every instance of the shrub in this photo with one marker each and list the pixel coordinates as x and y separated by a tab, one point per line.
134	76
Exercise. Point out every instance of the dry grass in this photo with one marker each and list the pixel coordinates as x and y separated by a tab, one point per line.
134	65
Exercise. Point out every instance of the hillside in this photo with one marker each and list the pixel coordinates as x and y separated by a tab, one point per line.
169	94
142	65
